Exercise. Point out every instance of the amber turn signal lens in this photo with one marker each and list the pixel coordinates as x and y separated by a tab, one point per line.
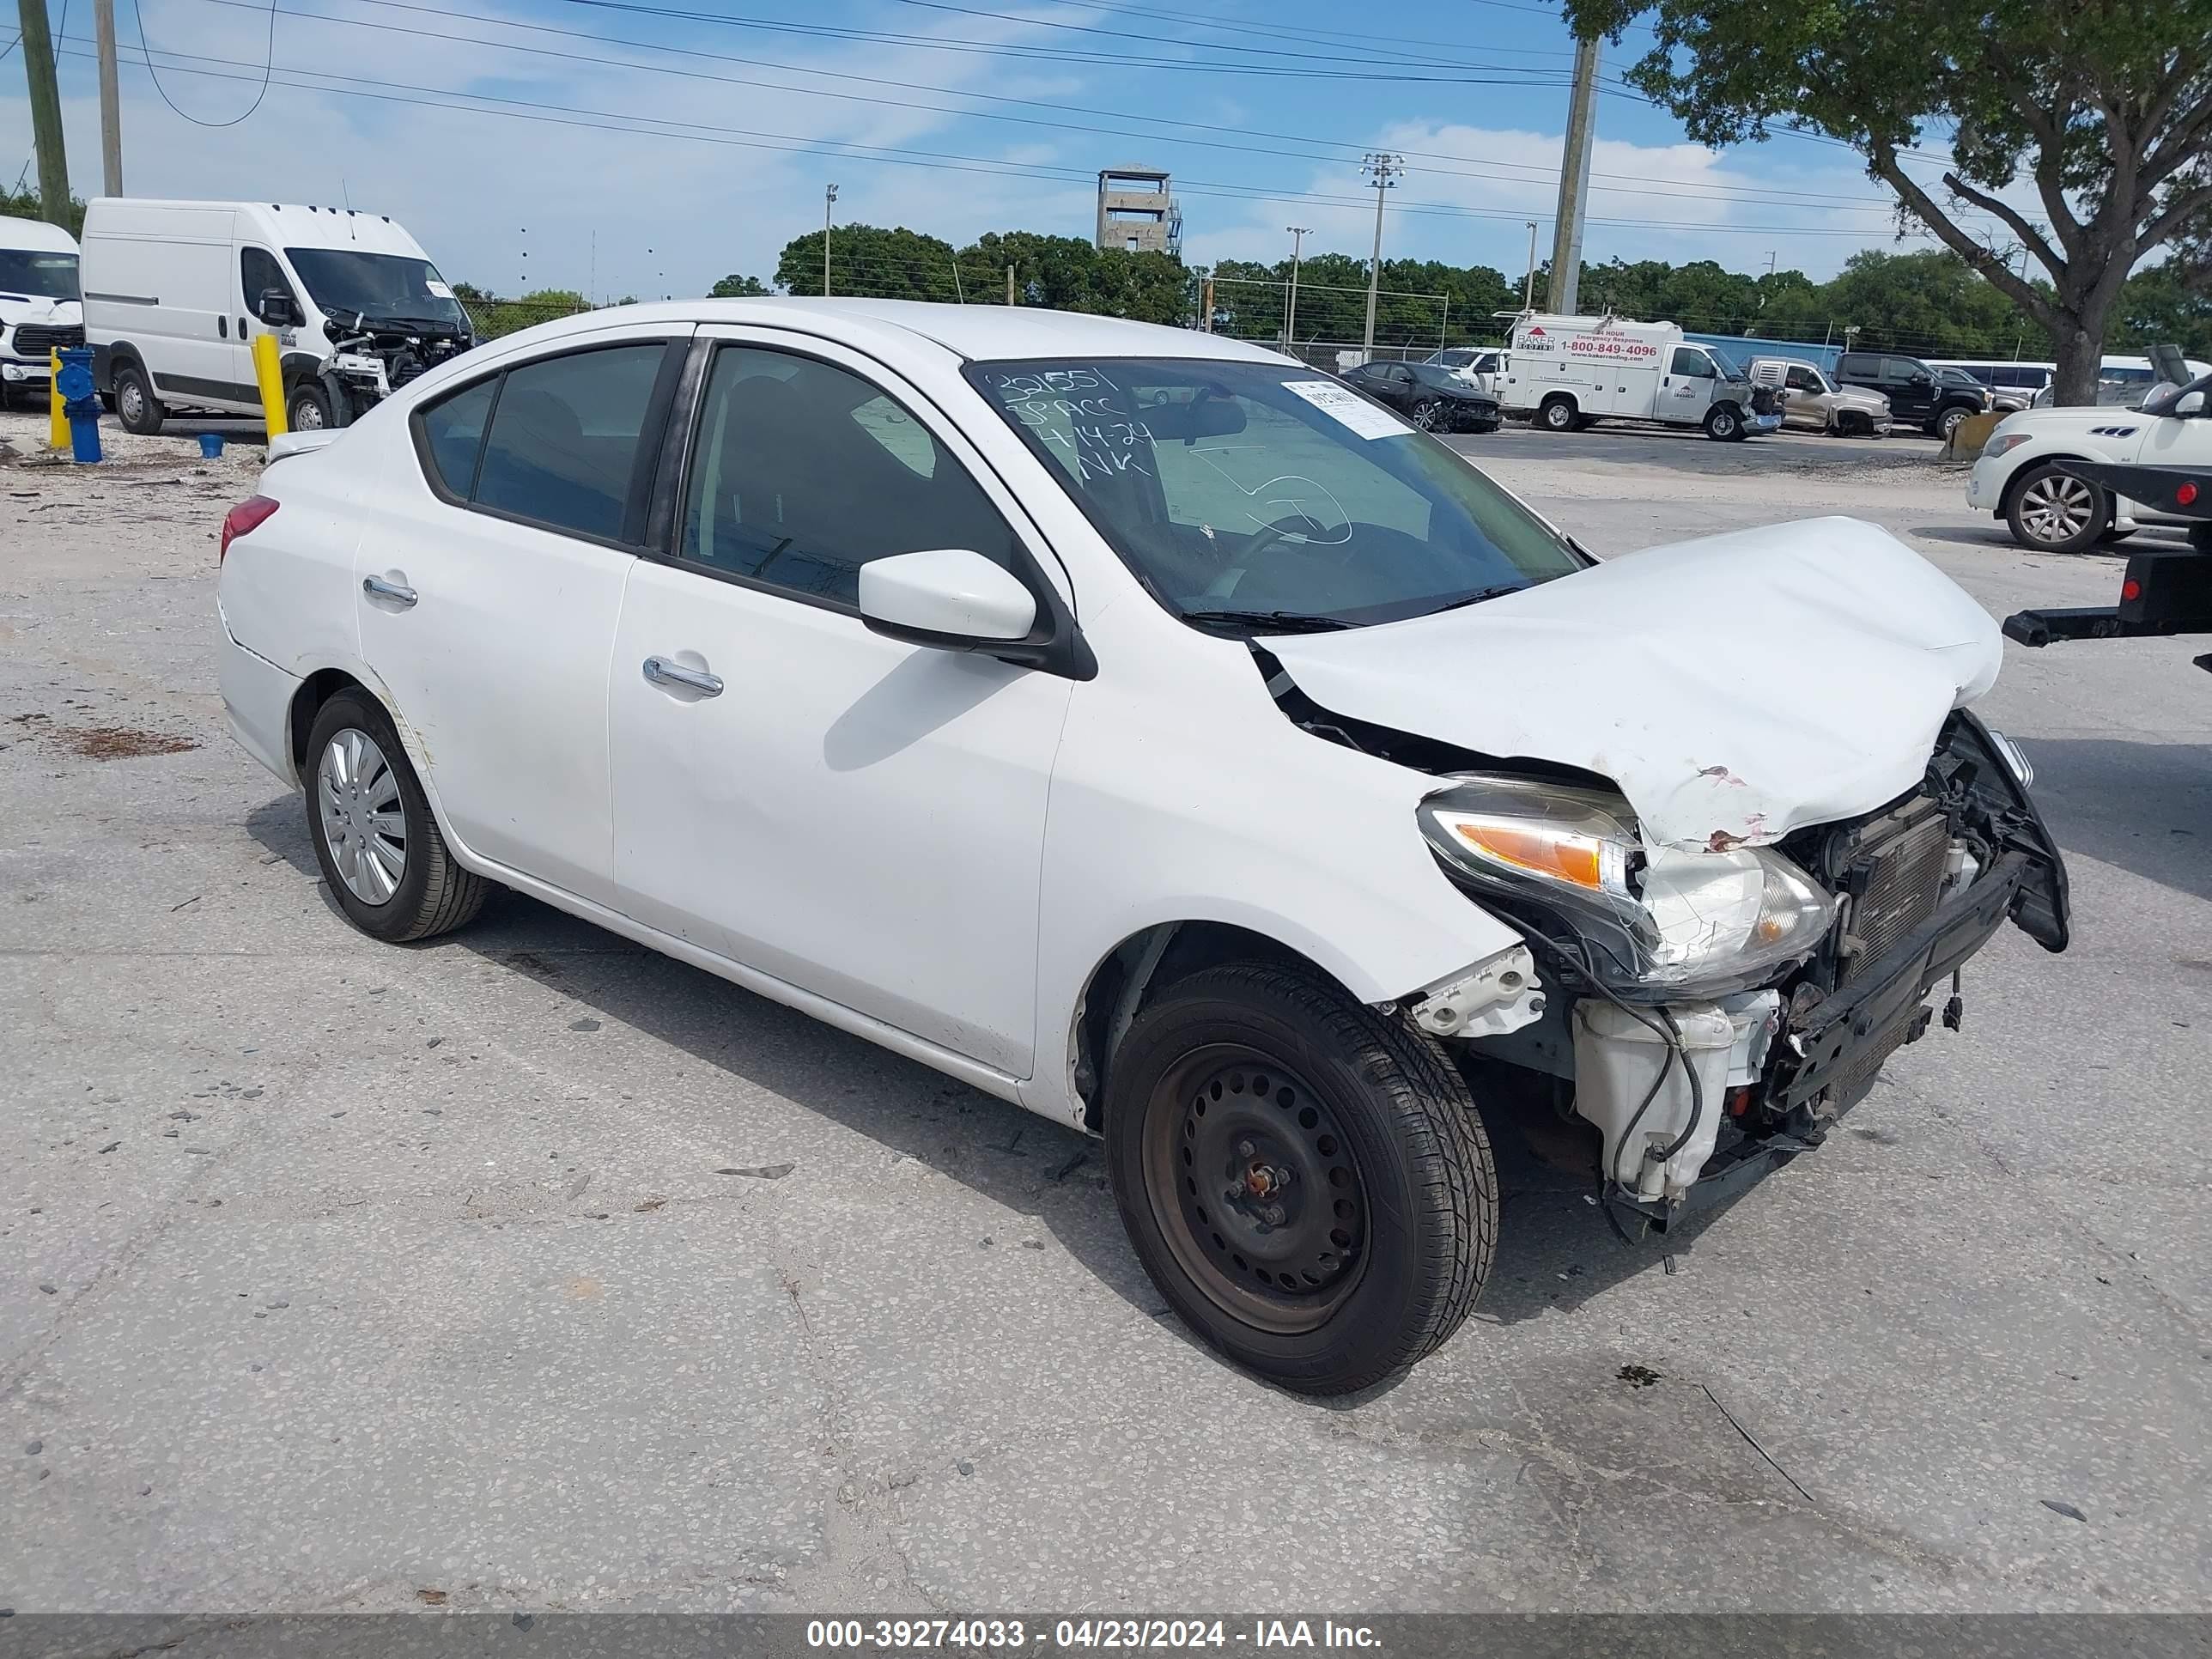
1546	852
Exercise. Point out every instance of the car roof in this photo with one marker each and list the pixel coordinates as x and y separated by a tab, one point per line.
34	236
973	333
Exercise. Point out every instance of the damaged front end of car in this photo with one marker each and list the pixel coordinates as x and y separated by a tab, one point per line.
1716	1010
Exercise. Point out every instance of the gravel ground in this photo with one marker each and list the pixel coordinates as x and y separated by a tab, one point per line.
526	1270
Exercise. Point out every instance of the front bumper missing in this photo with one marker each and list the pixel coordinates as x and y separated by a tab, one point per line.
1829	1052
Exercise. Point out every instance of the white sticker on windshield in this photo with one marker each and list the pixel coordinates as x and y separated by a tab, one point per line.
1349	408
438	291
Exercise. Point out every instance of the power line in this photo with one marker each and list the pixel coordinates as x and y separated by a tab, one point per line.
1642	185
748	138
268	67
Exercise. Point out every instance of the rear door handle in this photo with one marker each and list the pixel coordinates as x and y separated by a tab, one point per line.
398	592
658	670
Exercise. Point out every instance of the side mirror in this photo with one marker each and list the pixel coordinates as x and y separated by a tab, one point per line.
1920	377
2189	405
951	598
278	309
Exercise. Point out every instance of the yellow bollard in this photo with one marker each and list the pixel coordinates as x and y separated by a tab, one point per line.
58	432
270	372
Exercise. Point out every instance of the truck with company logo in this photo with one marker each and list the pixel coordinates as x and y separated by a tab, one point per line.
1566	373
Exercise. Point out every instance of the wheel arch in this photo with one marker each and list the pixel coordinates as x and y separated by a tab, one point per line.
2021	473
320	685
1137	969
318	688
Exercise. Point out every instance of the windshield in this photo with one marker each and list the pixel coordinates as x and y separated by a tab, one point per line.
1731	369
38	275
386	287
1265	495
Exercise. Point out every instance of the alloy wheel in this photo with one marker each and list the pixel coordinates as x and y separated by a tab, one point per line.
364	821
1255	1187
2056	507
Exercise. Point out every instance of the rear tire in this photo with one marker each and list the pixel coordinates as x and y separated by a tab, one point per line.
136	406
1335	1221
375	837
1557	415
2054	512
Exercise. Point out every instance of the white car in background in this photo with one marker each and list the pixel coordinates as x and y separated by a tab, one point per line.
2022	476
1153	733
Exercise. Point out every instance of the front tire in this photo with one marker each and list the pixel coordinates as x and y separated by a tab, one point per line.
1948	423
1724	424
1304	1179
136	406
1429	414
2054	512
308	408
375	838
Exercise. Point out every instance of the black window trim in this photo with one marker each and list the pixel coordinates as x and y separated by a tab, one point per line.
639	502
1055	645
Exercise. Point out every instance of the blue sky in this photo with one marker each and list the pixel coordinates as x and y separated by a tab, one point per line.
611	146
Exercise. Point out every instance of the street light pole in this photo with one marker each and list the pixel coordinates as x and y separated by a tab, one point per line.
1298	234
1383	168
828	200
1528	282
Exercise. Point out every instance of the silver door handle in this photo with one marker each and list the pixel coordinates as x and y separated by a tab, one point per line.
397	592
658	670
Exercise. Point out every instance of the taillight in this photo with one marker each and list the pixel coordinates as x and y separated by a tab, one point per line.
2130	589
2187	495
247	515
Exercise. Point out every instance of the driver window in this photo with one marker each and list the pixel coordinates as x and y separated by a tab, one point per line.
1801	380
803	472
257	270
1692	364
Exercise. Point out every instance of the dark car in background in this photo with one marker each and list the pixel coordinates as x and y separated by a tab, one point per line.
1429	395
1918	396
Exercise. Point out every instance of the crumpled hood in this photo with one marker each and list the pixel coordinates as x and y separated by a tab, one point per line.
40	311
1735	688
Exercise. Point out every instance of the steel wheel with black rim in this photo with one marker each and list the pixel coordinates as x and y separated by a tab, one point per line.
2055	510
1305	1179
375	838
135	405
308	409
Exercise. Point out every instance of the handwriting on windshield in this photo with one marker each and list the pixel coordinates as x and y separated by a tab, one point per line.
1078	412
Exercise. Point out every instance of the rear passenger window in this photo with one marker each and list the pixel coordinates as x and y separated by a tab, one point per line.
564	449
1858	368
453	433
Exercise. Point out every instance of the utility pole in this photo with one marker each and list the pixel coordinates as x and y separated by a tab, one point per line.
1771	253
828	200
524	232
1574	181
1206	305
1010	285
46	113
111	100
1383	168
1298	234
1528	282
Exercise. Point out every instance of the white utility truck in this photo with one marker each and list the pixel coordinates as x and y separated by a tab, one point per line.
1566	373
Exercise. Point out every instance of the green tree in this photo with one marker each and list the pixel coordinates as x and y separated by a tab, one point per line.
869	262
1070	273
2104	107
734	287
24	205
494	317
1929	302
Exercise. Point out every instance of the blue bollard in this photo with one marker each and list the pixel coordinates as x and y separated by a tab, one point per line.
78	402
210	446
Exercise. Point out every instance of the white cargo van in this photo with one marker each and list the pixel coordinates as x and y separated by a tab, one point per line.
174	292
1568	372
39	309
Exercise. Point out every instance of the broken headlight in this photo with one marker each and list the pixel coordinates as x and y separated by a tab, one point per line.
1659	923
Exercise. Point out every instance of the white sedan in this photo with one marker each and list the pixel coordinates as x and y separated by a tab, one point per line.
1156	734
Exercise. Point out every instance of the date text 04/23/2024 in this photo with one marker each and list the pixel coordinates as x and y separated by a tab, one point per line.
1012	1635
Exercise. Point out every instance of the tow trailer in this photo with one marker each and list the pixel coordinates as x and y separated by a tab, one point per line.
2164	593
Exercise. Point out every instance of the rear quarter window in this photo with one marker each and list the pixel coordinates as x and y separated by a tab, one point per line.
453	436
